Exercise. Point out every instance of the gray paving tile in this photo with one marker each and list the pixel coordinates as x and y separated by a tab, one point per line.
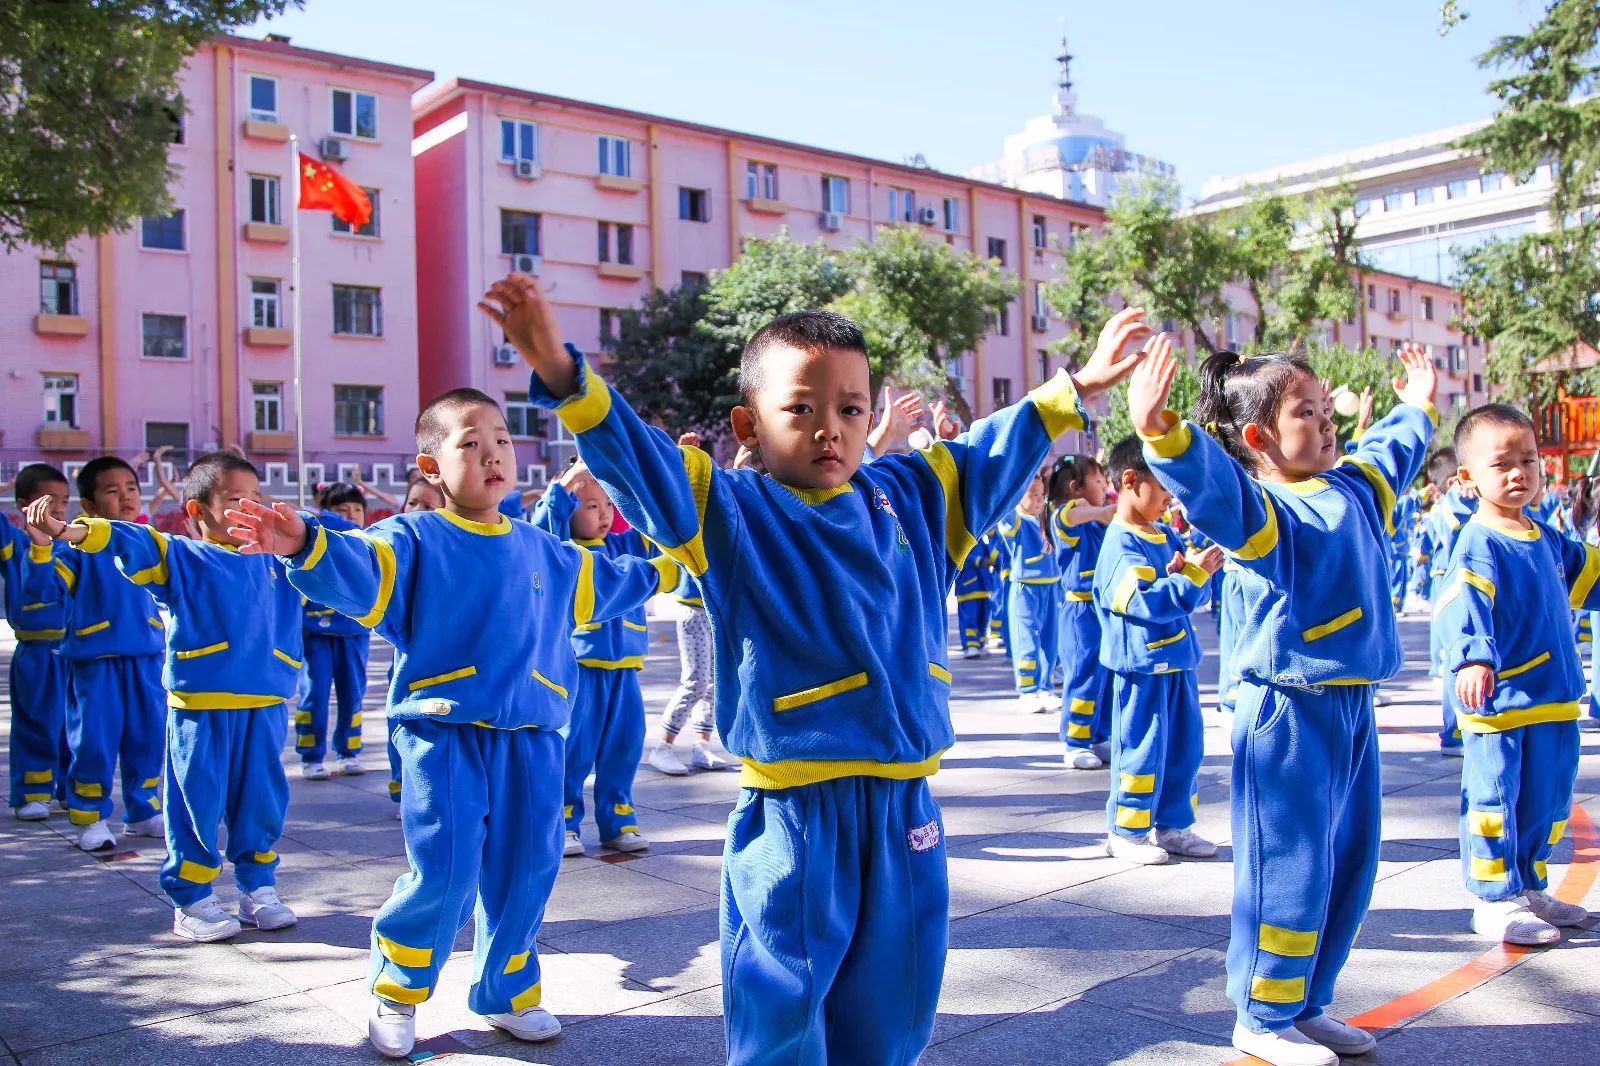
1078	1031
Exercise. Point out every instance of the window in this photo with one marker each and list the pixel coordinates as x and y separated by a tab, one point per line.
162	231
519	141
358	410
1394	301
624	243
1456	358
952	214
370	228
175	116
1002	320
1363	206
1372	297
1490	182
355	114
1001	391
1427	308
61	400
1038	231
1040	305
166	435
58	289
997	250
835	194
264	199
163	336
1423	195
693	279
902	205
622	251
523	419
616	157
357	311
519	233
608	327
1477	383
266	294
1458	401
1044	363
1456	190
760	181
263	98
1391	201
266	402
694	205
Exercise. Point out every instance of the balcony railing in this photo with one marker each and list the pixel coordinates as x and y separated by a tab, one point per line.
1572	424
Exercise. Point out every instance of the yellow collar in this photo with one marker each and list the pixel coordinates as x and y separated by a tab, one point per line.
589	542
1530	534
497	529
1153	538
818	496
1305	487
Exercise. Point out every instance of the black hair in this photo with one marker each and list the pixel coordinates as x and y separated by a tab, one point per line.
1442	464
340	492
200	480
1235	392
32	479
1069	470
810	331
89	473
431	429
1490	414
1125	455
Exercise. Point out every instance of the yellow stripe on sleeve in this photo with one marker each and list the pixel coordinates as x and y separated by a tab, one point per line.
583	594
958	539
1380	486
1479	582
1130	585
386	566
1263	540
1586	577
588	408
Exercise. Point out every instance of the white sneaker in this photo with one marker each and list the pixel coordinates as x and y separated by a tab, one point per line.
1028	702
972	653
1289	1047
630	839
97	836
1555	911
1378	700
150	827
1185	842
573	846
33	812
264	910
392	1028
1453	751
1339	1037
314	771
1121	847
204	922
1048	703
663	758
702	757
1589	724
398	814
533	1025
1512	921
1081	759
351	767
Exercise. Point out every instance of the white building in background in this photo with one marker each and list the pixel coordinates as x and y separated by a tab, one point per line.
1421	202
1069	155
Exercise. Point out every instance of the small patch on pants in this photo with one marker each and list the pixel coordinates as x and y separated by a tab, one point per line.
924	837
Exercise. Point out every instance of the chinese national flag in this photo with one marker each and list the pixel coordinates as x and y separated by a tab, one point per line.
324	189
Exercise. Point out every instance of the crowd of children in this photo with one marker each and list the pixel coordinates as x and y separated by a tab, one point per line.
813	577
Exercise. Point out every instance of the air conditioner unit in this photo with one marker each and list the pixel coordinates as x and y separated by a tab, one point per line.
927	215
505	355
526	169
334	149
1041	323
526	264
832	221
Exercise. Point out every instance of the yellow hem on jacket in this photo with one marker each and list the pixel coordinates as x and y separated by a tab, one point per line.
1536	715
795	772
220	701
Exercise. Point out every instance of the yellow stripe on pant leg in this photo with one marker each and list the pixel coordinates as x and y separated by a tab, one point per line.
1488	869
1278	989
196	874
89	789
1541	870
529	998
516	962
403	955
1289	943
1140	783
77	817
1078	731
1557	831
386	987
37	777
1487	824
1132	818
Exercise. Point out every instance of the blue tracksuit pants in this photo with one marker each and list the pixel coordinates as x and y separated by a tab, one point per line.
1157	744
607	737
394	767
334	666
1594	676
40	757
1516	793
1085	703
223	767
482	824
834	923
999	624
1399	577
1306	805
972	617
1033	619
117	715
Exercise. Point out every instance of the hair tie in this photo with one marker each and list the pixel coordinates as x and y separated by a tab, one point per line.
1211	428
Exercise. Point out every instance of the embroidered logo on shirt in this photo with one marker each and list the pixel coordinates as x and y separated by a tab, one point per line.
880	500
924	837
538	589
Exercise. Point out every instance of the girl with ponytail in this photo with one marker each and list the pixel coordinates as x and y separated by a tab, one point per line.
1078	518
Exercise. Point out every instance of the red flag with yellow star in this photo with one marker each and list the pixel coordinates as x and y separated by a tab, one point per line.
324	189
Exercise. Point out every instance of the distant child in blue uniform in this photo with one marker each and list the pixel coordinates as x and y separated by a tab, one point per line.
1311	533
974	597
1442	526
1146	585
421	495
336	660
1078	517
38	677
232	661
999	591
826	582
1033	616
1515	676
479	609
116	714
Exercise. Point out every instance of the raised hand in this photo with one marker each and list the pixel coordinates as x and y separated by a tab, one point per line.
43	527
264	530
1175	563
517	305
1418	385
1474	685
575	478
1150	386
1116	353
895	421
1364	411
690	439
742	457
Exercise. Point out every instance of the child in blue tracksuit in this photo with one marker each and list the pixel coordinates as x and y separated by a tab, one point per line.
974	595
607	735
1438	539
999	591
1033	617
116	714
336	660
826	584
1515	677
480	609
1306	795
232	661
38	675
1405	520
1077	494
1145	588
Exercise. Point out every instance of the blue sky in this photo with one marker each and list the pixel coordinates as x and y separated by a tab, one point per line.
1215	88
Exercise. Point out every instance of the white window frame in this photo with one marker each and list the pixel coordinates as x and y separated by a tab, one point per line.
355	111
516	155
263	302
760	180
55	283
249	88
274	197
1041	232
608	158
377	311
839	204
55	387
952	214
262	402
518	406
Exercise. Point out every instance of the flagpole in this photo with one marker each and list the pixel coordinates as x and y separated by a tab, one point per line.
294	287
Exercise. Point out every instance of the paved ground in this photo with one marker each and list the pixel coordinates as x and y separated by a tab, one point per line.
1058	953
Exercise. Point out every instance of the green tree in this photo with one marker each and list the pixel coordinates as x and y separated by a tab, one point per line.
674	372
771	277
1294	256
1081	294
88	101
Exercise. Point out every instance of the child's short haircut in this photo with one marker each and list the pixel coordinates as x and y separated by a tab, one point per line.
1442	464
1490	414
200	480
339	493
431	429
32	481
810	331
89	473
1127	454
1235	392
1067	471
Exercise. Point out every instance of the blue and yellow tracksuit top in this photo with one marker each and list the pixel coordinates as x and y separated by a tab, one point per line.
111	613
479	614
1077	553
1440	528
320	619
827	606
30	617
1144	611
1313	554
1030	558
1507	601
975	579
619	643
233	621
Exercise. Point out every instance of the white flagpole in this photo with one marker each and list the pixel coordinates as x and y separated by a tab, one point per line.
294	287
